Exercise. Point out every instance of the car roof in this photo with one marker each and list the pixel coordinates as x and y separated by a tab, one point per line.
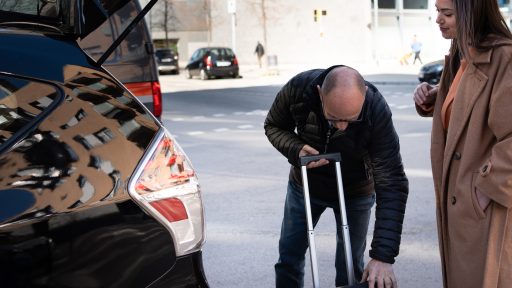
76	18
209	48
73	18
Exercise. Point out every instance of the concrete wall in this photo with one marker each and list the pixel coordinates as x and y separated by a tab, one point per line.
292	34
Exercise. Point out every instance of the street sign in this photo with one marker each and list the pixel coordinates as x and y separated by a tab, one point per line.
232	6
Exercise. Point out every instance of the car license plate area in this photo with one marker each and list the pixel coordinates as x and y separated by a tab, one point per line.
223	63
166	60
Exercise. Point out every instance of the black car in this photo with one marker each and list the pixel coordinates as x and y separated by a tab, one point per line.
94	191
213	62
431	72
133	61
167	61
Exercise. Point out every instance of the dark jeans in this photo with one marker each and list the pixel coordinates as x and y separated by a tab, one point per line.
294	241
417	57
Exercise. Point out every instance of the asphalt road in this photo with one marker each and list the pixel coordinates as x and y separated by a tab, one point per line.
219	123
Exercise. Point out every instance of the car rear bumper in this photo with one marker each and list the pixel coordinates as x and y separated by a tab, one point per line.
431	78
167	68
187	272
222	71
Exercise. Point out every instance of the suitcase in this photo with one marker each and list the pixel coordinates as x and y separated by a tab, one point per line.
336	157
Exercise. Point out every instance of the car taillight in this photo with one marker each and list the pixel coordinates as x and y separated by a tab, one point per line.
145	90
166	186
235	61
209	61
157	98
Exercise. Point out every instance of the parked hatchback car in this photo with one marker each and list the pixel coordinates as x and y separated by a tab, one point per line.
213	62
431	72
94	191
167	61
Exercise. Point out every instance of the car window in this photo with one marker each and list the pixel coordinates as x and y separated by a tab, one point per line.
215	52
196	55
32	7
131	48
45	11
164	54
227	52
21	101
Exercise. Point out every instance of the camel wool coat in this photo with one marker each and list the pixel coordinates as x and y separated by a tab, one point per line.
476	153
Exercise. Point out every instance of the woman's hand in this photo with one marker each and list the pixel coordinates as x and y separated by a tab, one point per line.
425	96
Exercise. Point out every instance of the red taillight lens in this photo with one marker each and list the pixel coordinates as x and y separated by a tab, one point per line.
172	209
148	92
209	61
139	88
235	61
157	99
166	186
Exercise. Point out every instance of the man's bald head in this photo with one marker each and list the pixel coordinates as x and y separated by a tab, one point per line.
345	78
342	95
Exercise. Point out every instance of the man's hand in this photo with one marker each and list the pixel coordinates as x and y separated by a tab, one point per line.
379	275
308	150
425	95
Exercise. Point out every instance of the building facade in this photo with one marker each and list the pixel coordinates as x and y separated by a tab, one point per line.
321	32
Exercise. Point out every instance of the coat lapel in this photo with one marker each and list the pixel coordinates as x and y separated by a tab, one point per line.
470	87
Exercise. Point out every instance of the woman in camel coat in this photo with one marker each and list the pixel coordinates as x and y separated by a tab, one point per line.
471	149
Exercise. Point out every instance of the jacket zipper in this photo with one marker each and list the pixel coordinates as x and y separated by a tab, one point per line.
328	139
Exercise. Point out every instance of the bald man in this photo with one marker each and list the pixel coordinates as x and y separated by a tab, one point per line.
328	111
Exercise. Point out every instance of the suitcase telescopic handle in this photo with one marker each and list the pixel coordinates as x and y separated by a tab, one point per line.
304	160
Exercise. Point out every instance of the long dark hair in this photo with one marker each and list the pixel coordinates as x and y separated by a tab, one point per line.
475	21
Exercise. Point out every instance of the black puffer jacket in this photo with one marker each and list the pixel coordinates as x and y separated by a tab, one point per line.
370	153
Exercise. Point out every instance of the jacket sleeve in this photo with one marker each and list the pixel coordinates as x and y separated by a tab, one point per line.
391	184
280	124
495	177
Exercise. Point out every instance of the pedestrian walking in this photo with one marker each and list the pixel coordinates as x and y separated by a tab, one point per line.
259	51
472	144
416	49
335	111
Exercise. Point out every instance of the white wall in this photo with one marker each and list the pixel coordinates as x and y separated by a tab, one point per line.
343	36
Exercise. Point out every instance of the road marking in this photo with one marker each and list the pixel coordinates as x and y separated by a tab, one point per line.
177	119
221	129
219	115
416	134
404	106
245	126
239	113
198	117
257	113
422	173
412	118
195	133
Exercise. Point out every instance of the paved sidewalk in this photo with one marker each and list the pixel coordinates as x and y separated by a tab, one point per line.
384	73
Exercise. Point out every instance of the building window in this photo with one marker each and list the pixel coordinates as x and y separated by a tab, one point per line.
386	4
415	4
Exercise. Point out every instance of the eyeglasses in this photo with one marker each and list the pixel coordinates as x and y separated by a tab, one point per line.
332	122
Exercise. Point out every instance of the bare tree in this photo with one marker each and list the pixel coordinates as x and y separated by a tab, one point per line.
264	22
167	20
207	7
